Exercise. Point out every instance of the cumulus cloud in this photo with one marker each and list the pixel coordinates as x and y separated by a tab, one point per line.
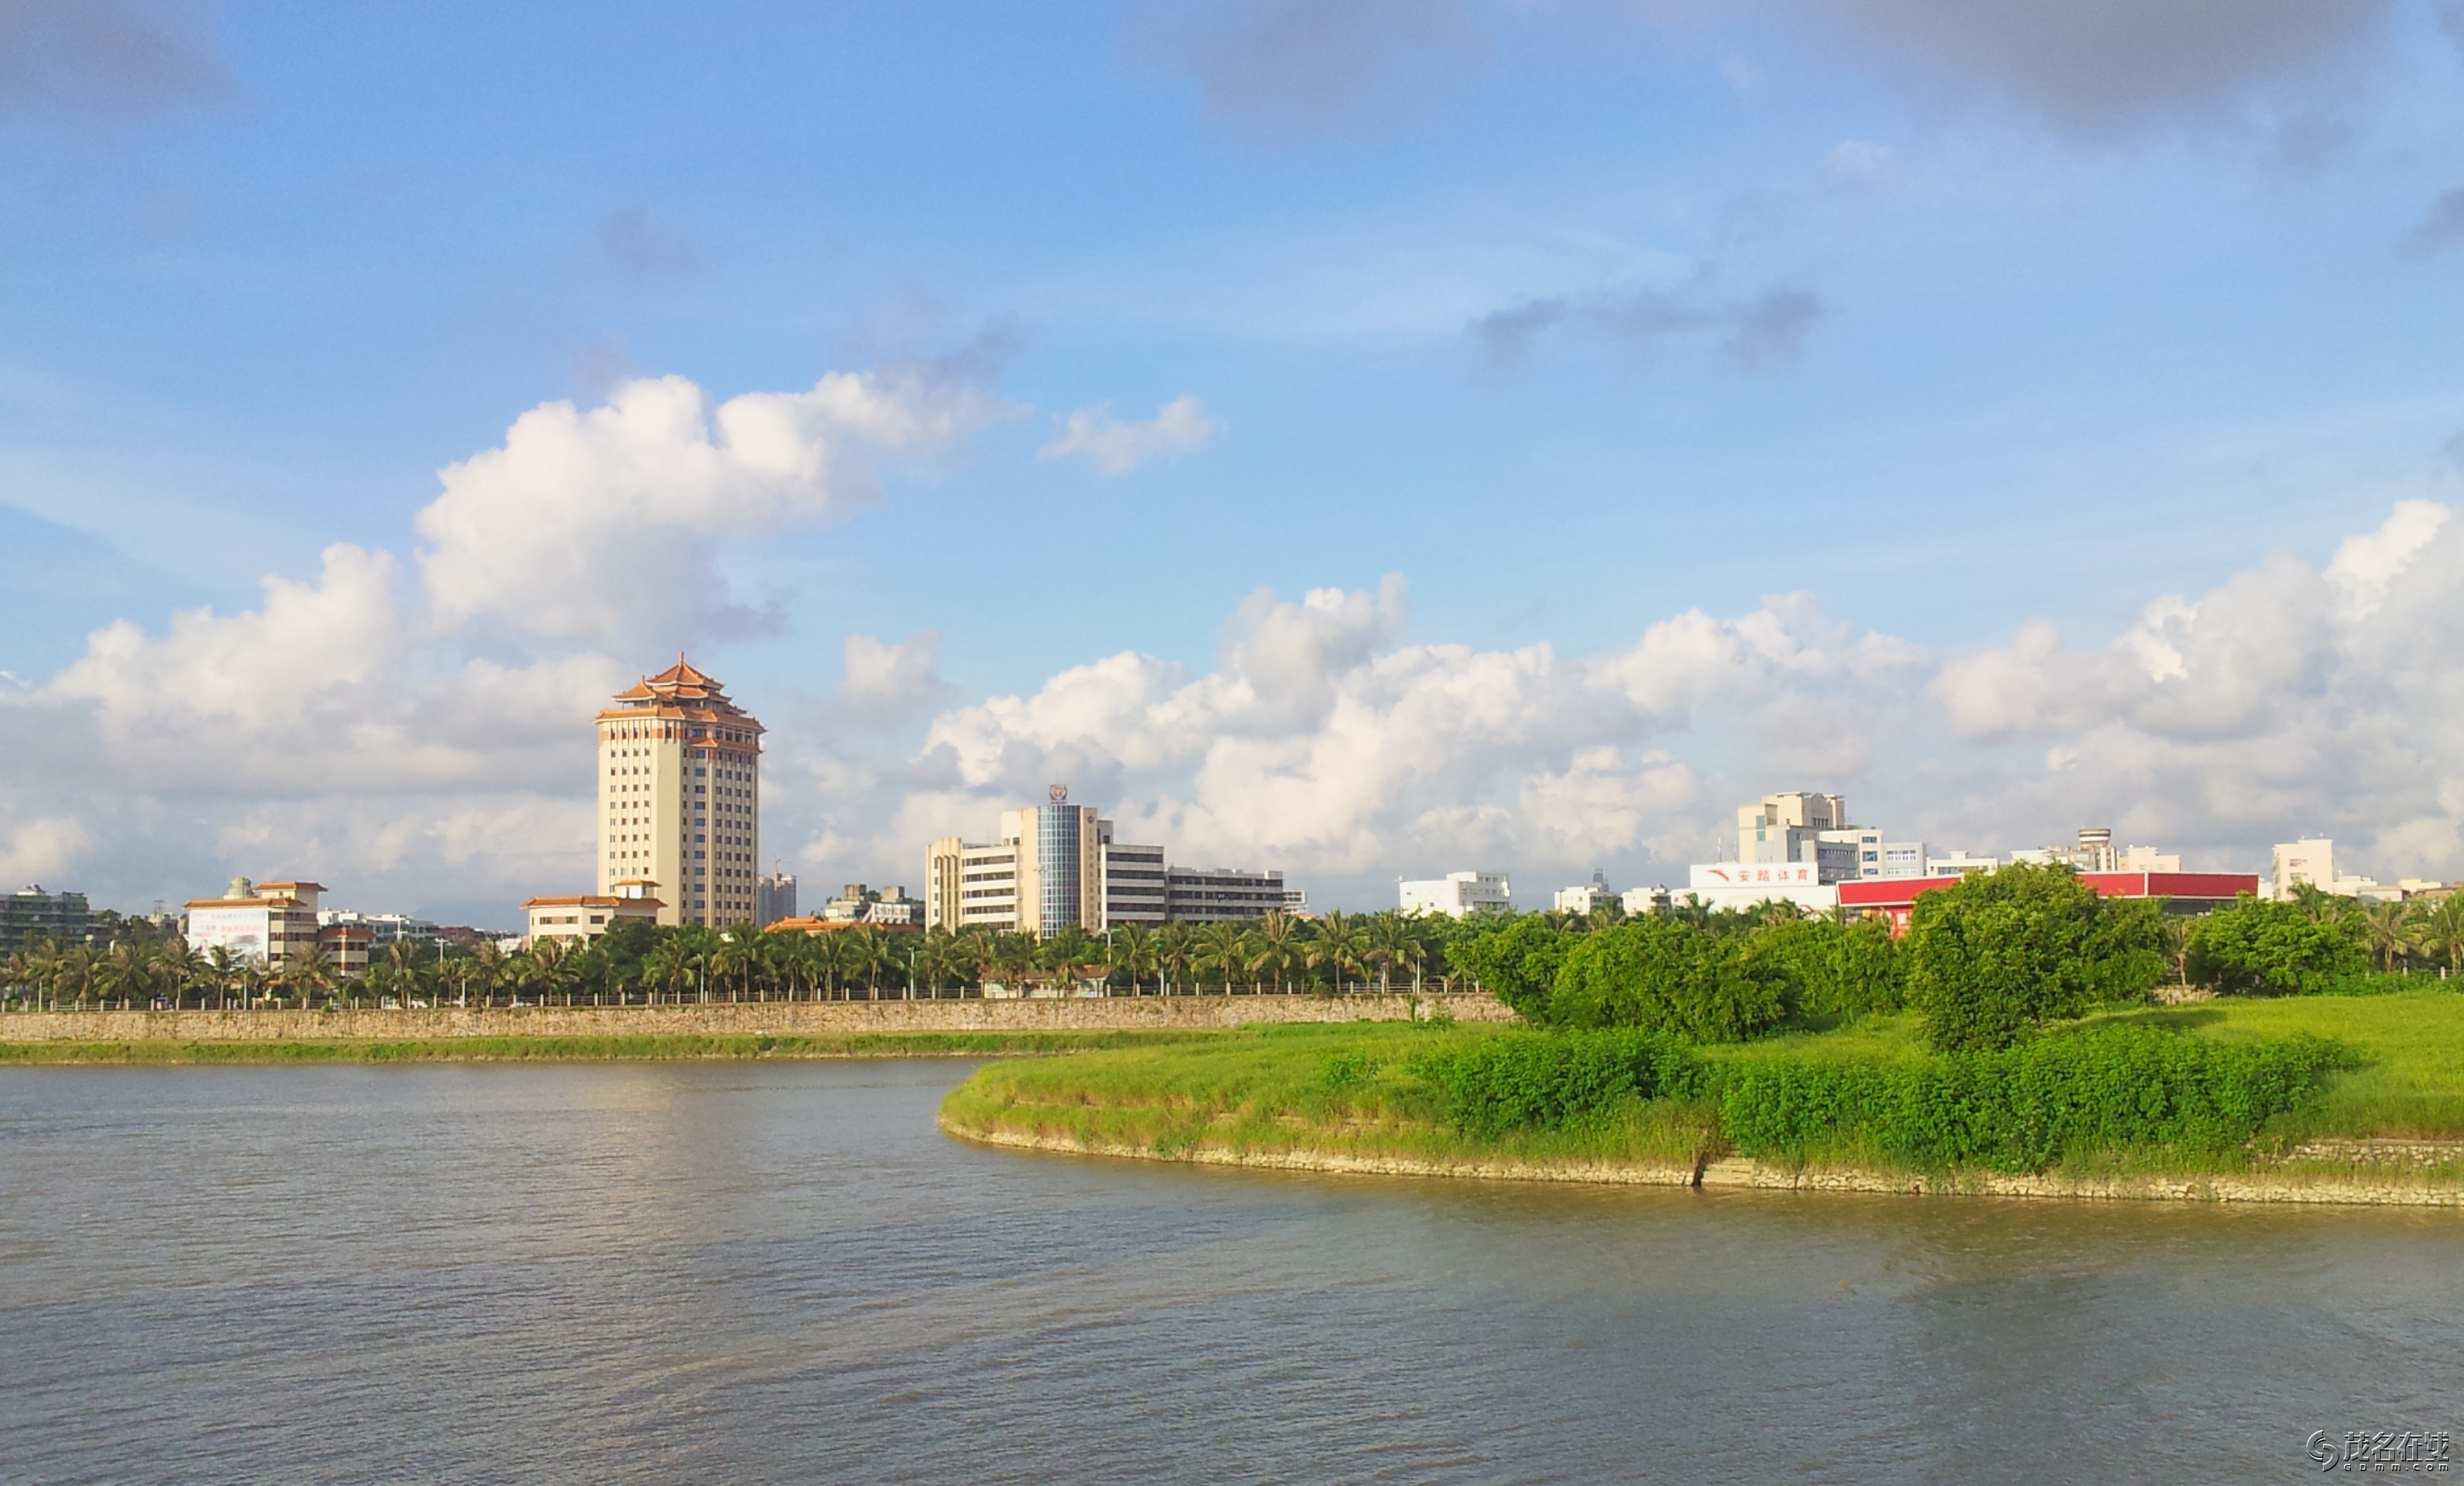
1290	66
1752	335
102	59
1322	743
886	682
44	848
602	525
1117	447
2291	699
353	726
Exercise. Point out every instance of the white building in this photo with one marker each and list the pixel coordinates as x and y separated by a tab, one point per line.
1586	898
580	918
887	907
1458	894
1744	884
264	922
384	928
1056	864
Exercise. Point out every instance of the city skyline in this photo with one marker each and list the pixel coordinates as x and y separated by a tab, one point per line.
1370	440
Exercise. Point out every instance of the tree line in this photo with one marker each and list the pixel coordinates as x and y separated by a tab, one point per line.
2008	950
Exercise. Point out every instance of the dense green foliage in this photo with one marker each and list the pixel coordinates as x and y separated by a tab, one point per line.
1505	1083
1852	969
1662	975
2007	1109
2023	1108
2001	954
1516	959
2274	948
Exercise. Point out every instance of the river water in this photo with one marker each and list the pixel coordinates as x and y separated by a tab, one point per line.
783	1273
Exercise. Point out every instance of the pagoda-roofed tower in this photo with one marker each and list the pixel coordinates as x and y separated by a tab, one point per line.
680	798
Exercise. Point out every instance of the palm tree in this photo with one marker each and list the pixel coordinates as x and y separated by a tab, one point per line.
308	972
2321	905
551	967
1128	949
2387	932
739	957
396	971
2441	931
1390	942
176	966
127	971
1220	946
1338	945
1014	956
488	967
218	973
667	966
1176	949
1277	945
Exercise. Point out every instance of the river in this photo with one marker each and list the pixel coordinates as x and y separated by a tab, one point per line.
754	1273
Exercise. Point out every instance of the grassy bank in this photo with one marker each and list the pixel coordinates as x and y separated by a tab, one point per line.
1365	1093
643	1047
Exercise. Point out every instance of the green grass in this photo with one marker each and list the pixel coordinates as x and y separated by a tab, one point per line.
1344	1089
642	1048
1348	1089
2407	1080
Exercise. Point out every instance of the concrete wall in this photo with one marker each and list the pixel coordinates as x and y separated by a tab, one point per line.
1089	1014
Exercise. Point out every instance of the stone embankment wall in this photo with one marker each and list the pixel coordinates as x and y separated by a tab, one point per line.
1101	1013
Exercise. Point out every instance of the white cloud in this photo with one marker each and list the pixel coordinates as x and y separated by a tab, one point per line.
1117	448
886	682
343	729
44	848
2290	699
600	527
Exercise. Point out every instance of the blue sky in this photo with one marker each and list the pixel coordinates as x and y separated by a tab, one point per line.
1578	316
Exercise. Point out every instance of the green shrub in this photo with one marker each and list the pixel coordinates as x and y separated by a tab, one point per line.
1999	955
1837	969
1517	961
1547	1081
2257	948
1663	975
2025	1107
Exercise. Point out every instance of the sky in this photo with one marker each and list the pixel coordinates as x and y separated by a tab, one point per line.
1372	440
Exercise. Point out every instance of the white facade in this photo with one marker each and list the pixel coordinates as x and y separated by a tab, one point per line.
2312	860
1458	895
1737	885
384	928
1586	898
1959	864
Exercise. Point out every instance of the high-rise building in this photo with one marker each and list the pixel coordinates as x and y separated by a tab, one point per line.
1789	828
680	799
1056	864
775	898
30	914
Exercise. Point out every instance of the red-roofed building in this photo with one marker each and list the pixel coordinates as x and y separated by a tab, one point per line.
2184	892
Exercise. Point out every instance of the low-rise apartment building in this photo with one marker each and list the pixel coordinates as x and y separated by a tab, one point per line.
1458	895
